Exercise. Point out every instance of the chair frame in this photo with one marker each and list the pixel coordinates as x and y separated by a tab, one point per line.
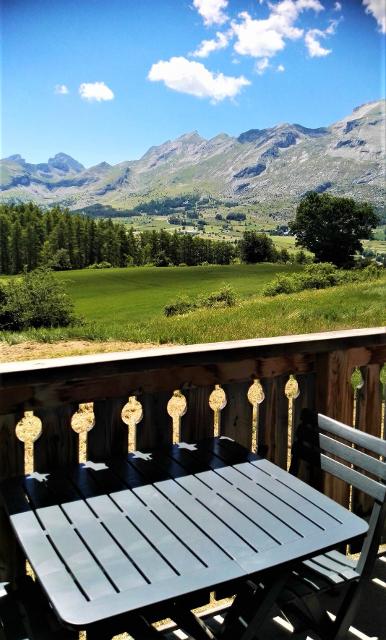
322	441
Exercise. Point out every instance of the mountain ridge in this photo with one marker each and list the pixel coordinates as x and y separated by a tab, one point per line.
274	166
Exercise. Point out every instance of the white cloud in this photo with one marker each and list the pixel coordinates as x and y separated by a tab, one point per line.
264	38
262	65
187	76
337	6
208	46
313	45
95	91
61	89
212	11
313	37
280	68
378	9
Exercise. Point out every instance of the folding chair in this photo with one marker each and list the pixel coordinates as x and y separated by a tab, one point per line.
333	571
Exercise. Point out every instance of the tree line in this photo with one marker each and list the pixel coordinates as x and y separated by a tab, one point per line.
330	227
32	238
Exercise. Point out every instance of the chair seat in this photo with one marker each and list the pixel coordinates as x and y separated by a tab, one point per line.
319	574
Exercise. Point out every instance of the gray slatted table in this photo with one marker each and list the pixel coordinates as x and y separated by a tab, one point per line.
105	539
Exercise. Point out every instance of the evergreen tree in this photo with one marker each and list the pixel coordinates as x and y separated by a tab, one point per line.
5	234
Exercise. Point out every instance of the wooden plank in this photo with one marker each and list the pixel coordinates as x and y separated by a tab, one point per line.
350	476
11	464
58	444
135	545
274	420
236	417
203	547
197	423
60	381
306	398
287	516
369	409
335	398
366	440
234	546
160	536
155	429
11	449
108	437
72	548
270	535
114	562
355	457
221	506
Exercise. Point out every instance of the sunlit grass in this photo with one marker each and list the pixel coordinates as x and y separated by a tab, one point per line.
343	307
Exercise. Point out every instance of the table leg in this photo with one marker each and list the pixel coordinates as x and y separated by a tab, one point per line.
191	624
250	612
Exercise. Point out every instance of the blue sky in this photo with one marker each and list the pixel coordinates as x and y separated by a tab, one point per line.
105	80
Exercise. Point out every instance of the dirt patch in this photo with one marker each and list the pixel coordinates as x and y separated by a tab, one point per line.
33	350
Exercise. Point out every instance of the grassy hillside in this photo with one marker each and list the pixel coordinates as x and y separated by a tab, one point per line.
118	296
127	304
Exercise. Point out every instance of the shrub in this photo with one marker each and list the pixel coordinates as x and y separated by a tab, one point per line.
224	297
161	260
239	217
179	307
36	299
319	276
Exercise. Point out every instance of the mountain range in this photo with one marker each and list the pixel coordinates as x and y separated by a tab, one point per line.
273	167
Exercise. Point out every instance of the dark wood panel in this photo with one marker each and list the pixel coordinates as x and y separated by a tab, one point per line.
156	427
274	420
63	380
236	417
11	464
335	398
108	437
197	423
306	398
58	444
369	408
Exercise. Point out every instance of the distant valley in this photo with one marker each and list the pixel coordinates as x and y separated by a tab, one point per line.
271	168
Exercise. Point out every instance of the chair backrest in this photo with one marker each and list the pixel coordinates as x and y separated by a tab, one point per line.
355	472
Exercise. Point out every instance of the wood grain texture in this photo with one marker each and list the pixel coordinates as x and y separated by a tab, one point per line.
369	406
58	444
108	437
197	423
274	420
11	464
306	398
156	427
34	384
11	449
236	417
335	398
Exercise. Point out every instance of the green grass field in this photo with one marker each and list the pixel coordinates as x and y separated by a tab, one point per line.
127	304
116	296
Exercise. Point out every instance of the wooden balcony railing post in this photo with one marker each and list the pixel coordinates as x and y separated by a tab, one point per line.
11	463
335	398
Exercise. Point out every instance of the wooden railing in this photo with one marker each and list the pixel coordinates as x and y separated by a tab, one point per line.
56	412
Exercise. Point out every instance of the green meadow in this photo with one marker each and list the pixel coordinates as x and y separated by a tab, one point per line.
127	304
139	294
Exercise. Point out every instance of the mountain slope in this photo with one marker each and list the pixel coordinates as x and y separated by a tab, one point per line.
274	166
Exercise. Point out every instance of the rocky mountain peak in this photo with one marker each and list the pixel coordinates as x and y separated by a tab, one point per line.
65	163
193	137
16	158
252	135
275	166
